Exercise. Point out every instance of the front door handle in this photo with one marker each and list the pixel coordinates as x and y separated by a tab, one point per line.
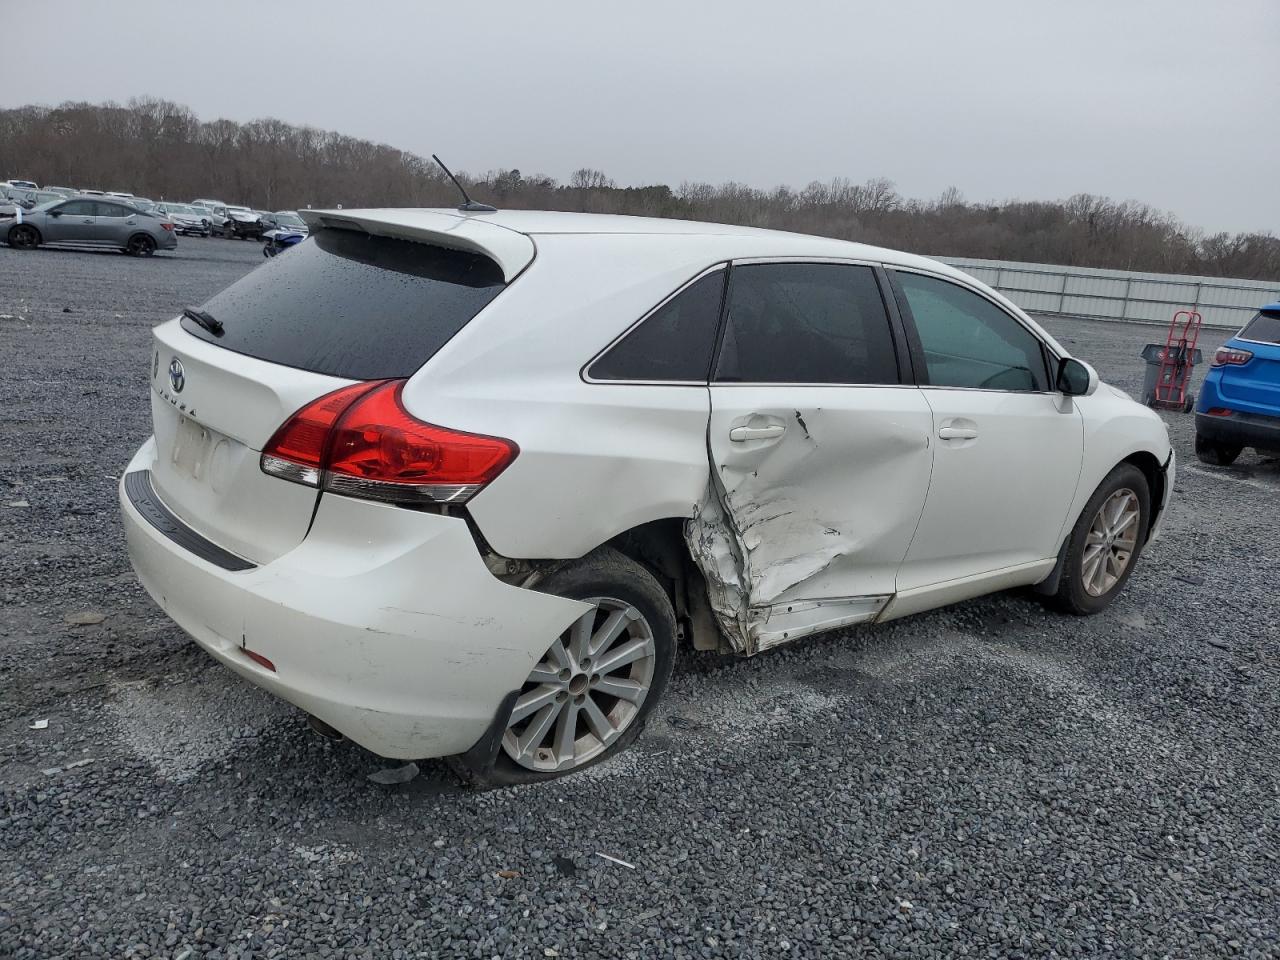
768	432
957	433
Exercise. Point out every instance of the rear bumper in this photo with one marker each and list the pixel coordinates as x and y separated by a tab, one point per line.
1246	429
384	623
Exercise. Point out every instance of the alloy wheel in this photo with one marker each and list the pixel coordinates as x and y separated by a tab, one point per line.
141	246
1111	542
586	691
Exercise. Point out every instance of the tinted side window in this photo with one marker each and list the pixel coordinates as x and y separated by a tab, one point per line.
675	342
112	210
806	323
1264	328
77	208
970	342
353	305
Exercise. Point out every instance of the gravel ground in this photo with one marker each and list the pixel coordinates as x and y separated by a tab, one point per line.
988	780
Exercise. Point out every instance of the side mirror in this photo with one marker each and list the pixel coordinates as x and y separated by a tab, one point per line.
55	213
1076	378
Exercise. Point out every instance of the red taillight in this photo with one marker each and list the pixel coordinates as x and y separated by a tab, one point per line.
361	441
1219	412
297	450
166	226
1230	356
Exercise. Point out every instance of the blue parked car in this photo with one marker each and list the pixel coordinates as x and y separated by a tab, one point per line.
1240	401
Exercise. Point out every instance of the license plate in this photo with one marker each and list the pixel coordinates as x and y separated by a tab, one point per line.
191	448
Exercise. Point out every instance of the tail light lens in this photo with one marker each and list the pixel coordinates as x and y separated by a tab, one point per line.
360	441
166	226
1230	356
297	450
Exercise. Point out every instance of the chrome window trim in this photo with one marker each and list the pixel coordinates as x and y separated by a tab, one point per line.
841	386
851	261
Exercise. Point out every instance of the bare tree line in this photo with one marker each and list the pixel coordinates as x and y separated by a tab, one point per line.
160	149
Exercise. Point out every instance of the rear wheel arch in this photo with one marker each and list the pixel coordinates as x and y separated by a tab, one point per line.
660	546
516	749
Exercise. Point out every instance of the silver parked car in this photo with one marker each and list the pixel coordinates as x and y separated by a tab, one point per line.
91	222
187	220
217	214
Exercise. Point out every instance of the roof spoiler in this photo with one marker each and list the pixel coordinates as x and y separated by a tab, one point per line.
511	251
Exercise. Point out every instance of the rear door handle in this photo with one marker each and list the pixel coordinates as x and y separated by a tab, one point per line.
957	433
743	434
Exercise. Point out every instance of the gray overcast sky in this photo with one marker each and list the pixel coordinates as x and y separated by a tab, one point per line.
1172	102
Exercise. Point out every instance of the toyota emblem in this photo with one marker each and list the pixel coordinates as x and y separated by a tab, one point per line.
177	376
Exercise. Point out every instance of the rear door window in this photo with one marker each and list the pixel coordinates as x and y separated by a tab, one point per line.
352	305
674	343
806	323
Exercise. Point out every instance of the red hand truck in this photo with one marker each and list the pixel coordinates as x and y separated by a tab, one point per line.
1177	360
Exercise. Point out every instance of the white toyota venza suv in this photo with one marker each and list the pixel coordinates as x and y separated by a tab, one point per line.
460	484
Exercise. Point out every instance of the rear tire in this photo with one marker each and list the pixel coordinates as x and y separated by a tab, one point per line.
24	237
633	622
1105	542
140	245
1216	453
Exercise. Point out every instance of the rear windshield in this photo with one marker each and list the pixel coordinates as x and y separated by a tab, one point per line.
1264	328
352	305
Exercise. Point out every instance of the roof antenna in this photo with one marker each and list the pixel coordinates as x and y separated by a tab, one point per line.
470	206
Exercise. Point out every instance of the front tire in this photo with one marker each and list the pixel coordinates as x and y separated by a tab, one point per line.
1105	543
24	237
1216	453
589	695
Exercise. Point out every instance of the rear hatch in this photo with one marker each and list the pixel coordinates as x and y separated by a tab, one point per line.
1256	383
344	306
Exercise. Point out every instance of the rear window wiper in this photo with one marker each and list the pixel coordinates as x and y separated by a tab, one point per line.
205	320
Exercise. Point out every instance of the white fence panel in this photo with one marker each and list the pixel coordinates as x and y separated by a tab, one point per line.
1038	302
1037	282
1121	295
